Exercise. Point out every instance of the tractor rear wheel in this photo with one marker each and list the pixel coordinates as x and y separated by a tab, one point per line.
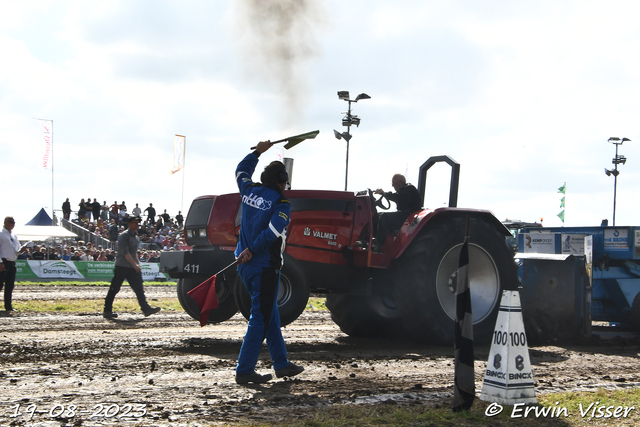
293	294
426	286
226	303
374	316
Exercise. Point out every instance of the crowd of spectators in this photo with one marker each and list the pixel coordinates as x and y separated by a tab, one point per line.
81	252
156	232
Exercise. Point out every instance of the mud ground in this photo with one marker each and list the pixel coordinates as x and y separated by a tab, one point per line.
80	369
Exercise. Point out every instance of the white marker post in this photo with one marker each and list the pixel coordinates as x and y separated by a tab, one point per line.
508	379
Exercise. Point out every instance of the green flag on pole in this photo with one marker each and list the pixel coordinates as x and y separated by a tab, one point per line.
562	202
561	216
563	189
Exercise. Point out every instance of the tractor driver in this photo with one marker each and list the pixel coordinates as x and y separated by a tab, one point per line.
407	200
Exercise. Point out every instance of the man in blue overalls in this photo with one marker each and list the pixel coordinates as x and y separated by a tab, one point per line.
265	216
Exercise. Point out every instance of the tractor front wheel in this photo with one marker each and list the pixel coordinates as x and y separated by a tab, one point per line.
226	303
293	294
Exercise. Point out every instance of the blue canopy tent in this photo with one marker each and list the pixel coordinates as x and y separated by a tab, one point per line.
42	218
40	229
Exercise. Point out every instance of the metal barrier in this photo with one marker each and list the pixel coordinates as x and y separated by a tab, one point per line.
87	235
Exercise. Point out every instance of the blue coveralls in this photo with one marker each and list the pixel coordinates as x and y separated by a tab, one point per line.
265	216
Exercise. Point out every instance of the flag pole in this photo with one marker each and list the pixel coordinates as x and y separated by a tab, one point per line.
49	158
53	214
184	165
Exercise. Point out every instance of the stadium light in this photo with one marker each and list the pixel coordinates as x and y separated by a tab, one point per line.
348	120
617	160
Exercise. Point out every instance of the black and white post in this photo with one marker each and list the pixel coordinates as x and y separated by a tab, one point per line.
464	381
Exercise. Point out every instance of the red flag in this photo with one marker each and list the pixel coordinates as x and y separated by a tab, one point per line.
205	296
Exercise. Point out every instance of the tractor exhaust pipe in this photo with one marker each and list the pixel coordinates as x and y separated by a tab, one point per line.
288	165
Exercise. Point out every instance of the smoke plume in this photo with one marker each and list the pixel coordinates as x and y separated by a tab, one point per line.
278	40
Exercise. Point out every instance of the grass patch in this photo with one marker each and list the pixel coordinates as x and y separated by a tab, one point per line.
316	303
86	283
92	305
391	414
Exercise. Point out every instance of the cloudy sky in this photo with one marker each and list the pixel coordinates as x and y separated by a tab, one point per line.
524	95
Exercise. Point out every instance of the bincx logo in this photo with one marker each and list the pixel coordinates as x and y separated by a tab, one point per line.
256	202
307	231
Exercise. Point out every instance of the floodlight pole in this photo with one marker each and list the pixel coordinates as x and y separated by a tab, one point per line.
616	161
347	121
346	171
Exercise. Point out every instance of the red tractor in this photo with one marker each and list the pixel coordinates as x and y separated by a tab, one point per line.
405	288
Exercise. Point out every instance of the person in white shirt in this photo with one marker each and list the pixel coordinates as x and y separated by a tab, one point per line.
9	250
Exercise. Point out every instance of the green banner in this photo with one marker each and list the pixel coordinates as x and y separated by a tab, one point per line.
79	270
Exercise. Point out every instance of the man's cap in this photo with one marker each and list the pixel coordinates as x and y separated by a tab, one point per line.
135	218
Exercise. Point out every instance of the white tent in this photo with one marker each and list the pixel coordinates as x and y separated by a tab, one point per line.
40	232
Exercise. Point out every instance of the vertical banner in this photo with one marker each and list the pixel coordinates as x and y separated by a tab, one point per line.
178	153
47	134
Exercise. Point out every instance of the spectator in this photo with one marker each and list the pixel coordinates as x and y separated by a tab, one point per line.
102	256
136	211
75	256
104	211
180	219
113	212
66	209
82	210
151	213
95	208
165	217
158	240
155	256
65	255
39	254
113	231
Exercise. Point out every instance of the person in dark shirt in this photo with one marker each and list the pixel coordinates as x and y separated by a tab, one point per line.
165	217
407	200
39	254
66	209
151	213
96	207
127	267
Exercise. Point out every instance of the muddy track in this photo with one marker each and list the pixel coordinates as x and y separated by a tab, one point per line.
82	369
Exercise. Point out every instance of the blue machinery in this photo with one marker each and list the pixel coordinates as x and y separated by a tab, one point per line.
573	276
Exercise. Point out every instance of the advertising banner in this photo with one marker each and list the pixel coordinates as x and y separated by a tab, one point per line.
616	239
79	270
542	243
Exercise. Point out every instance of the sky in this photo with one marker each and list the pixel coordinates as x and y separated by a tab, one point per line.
524	95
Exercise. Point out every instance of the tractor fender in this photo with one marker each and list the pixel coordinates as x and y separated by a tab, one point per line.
429	217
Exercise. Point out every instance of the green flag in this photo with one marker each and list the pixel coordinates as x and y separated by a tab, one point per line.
562	202
561	216
563	189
